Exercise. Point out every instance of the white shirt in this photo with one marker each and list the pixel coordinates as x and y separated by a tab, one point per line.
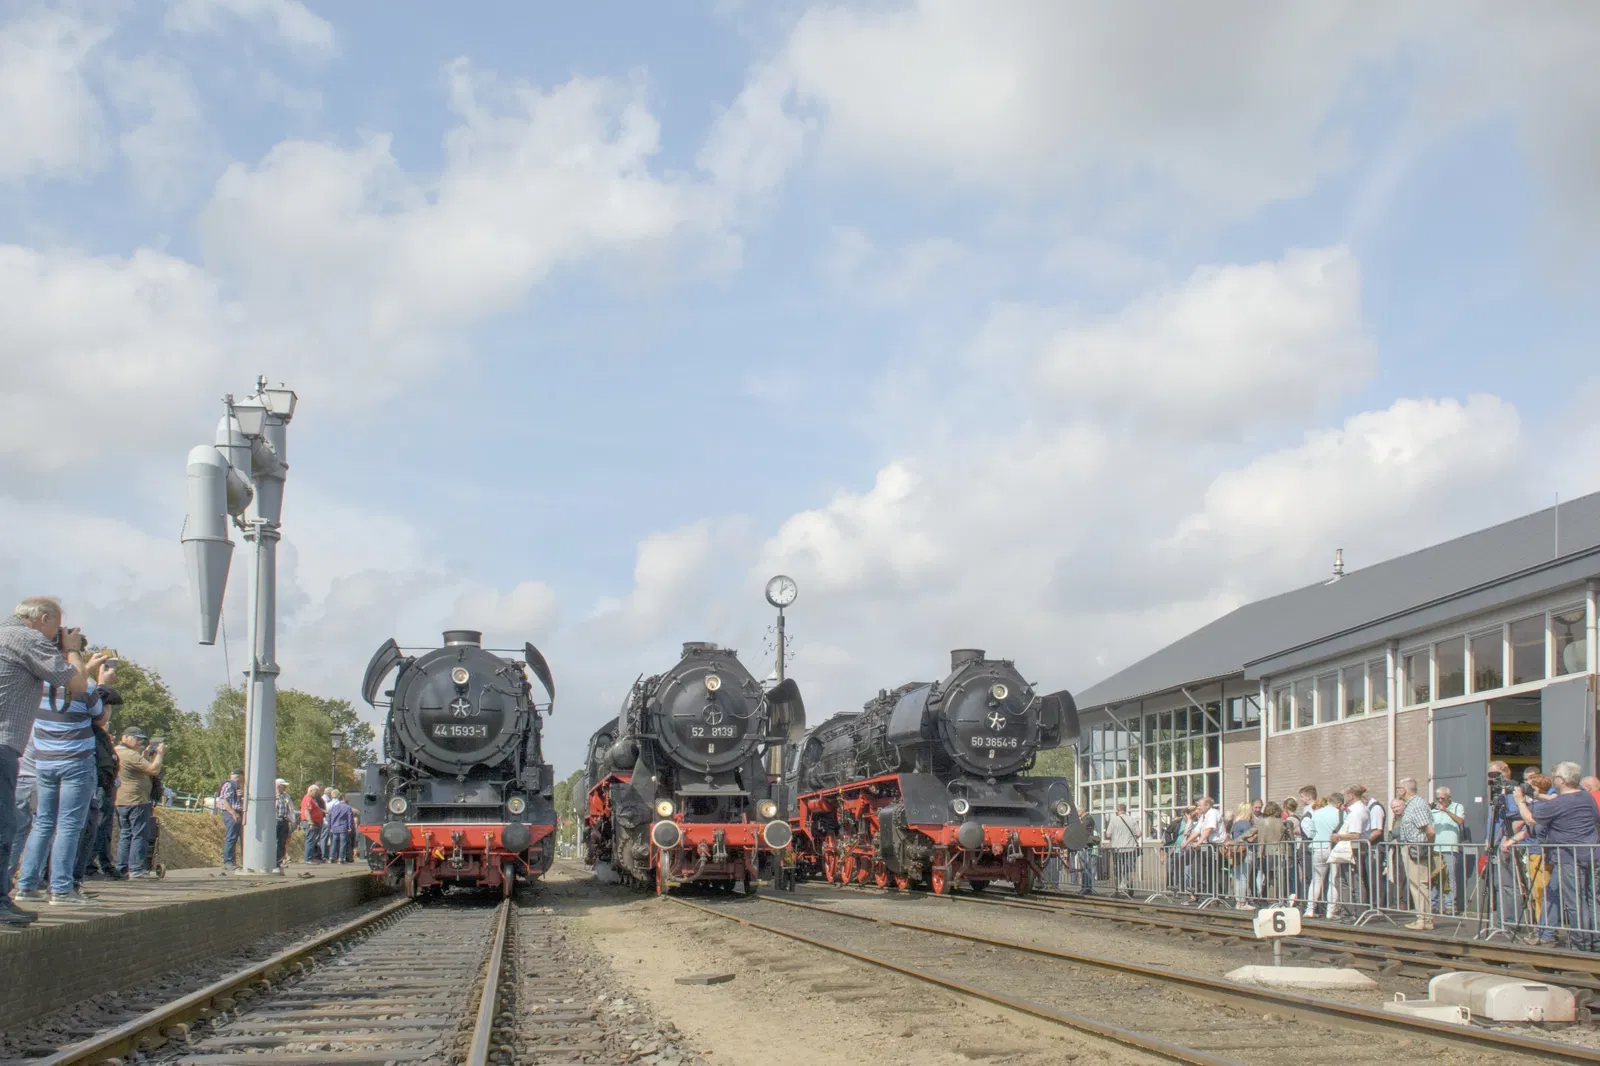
1210	828
1122	831
1355	819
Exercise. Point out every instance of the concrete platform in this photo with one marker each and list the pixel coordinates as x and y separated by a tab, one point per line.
1302	977
146	926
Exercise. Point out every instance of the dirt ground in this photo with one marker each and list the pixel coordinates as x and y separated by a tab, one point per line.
789	1002
192	840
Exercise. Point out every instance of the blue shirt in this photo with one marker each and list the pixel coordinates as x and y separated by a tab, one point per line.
1324	823
1568	819
63	730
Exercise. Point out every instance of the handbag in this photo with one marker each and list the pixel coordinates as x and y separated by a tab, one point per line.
1342	852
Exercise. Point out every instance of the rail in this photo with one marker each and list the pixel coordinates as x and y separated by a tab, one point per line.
483	1032
125	1038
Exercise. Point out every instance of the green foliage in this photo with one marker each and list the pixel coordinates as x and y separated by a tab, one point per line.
1057	762
566	803
201	751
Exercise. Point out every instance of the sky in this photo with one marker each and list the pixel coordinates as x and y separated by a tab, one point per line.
1054	329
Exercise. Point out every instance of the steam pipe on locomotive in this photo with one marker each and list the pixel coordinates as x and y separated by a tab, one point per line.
675	785
927	784
463	795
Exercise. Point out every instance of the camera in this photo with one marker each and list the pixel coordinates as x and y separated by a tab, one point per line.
61	639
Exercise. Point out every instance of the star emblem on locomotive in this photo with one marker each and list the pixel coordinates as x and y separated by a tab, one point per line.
997	721
460	707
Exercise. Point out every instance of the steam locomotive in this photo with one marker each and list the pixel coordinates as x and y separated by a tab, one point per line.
925	785
675	785
463	796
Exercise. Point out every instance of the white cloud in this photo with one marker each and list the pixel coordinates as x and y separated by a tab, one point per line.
50	123
291	20
1233	345
527	612
162	136
893	276
1225	108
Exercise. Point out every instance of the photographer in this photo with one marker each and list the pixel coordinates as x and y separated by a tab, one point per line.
35	651
141	765
1569	827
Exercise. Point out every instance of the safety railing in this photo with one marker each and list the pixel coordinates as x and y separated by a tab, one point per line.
1538	893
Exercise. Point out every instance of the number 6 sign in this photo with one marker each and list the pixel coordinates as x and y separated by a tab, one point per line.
1276	922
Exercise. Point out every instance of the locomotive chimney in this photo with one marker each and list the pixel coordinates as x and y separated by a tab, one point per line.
456	637
964	655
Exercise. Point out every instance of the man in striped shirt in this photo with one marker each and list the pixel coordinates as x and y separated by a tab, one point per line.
34	651
64	782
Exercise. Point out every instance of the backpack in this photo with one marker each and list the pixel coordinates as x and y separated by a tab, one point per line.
1169	835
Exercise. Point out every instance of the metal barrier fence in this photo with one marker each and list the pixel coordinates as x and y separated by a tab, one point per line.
1544	894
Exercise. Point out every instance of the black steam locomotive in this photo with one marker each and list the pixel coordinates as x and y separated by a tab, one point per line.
463	795
675	785
926	784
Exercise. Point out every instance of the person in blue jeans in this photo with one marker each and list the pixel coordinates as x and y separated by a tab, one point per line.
230	804
340	824
65	779
138	766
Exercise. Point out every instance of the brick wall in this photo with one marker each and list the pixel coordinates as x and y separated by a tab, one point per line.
45	967
1411	748
1331	757
1238	751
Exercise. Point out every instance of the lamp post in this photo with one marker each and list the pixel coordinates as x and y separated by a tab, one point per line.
241	476
335	737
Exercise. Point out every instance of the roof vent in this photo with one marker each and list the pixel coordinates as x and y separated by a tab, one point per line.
456	637
1338	563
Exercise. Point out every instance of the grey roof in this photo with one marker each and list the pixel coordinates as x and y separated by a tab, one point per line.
1293	620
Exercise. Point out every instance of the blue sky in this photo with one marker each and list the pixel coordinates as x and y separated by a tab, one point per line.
1056	331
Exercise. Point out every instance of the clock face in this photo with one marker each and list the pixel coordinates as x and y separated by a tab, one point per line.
781	591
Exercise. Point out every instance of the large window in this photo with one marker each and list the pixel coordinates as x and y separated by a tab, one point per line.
1418	679
1282	711
1527	650
1355	691
1157	765
1328	698
1243	712
1568	642
1378	682
1305	703
1488	660
1450	659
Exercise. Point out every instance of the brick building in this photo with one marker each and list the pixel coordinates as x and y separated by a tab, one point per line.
1425	666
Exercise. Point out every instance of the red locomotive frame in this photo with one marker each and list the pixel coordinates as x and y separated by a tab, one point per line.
463	853
1015	853
705	851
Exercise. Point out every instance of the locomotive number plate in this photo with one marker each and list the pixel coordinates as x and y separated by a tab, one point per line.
713	731
450	729
995	742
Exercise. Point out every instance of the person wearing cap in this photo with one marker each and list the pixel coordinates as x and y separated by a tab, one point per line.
139	764
231	807
284	807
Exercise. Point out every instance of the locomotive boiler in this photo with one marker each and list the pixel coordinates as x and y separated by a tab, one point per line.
927	784
675	785
463	796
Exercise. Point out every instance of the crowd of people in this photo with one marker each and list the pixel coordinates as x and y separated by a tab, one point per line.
1530	868
67	787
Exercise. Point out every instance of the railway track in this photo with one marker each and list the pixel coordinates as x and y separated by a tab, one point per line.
405	984
1180	1017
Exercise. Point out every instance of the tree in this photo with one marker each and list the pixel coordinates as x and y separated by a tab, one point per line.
566	804
148	704
304	727
1057	762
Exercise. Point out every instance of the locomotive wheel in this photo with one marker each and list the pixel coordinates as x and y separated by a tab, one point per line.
902	882
661	879
940	881
1023	883
508	881
830	866
864	874
880	876
979	886
849	874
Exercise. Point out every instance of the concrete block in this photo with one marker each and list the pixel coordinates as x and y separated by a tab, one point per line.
705	979
1491	997
1308	977
1428	1010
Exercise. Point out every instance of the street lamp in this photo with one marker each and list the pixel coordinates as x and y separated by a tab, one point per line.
240	477
336	737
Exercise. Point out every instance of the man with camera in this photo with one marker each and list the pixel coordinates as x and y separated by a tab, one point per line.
1568	826
35	652
140	765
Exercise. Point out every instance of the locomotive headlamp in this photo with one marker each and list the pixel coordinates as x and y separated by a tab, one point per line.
459	675
713	682
960	806
999	691
516	804
397	805
663	808
767	809
1063	808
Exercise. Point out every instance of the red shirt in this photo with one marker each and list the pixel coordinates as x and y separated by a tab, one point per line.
1595	795
310	810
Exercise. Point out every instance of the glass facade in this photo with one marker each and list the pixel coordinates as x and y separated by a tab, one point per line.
1488	660
1450	658
1378	684
1418	669
1157	765
1568	642
1527	650
1244	712
1355	690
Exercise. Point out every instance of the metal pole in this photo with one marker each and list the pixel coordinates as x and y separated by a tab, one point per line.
261	770
780	643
